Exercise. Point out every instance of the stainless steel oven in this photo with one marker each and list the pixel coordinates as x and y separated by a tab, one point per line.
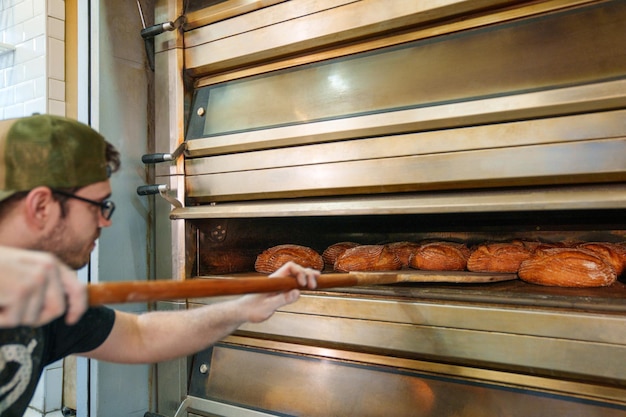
316	122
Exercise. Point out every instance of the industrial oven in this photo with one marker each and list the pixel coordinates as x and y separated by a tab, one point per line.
317	122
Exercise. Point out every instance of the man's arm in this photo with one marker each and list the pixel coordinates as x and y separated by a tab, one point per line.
163	335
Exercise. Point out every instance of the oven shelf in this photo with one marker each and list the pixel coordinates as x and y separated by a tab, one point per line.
464	287
509	293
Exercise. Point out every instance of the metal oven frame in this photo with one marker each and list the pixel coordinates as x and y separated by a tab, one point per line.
540	150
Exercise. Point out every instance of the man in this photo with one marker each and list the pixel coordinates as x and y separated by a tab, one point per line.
54	200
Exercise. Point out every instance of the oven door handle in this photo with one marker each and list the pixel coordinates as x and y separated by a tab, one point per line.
155	158
162	190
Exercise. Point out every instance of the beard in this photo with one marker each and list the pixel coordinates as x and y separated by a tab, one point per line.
71	248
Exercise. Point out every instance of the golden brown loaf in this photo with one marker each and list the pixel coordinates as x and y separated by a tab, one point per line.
549	245
613	254
497	257
216	261
275	257
531	245
567	267
440	256
404	250
332	252
368	258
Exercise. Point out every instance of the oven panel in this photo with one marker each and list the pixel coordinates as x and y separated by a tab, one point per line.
295	384
597	160
528	58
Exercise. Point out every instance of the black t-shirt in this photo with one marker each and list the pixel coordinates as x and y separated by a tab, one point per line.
25	351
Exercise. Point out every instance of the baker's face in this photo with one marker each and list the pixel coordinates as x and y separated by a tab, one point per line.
73	238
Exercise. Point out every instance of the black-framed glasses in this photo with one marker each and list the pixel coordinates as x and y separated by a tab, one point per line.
107	207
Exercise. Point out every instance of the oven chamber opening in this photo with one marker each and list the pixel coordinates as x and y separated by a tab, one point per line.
230	246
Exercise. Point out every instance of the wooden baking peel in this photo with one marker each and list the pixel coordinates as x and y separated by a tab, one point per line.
143	291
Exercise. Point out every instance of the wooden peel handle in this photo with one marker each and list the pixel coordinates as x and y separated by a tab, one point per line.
143	291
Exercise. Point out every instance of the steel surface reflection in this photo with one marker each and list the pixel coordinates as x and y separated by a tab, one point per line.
297	385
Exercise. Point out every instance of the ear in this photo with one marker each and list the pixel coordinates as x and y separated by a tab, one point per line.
40	208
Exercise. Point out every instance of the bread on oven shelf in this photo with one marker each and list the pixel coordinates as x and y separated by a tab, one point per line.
563	264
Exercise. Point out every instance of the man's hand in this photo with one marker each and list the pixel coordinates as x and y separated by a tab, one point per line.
36	288
306	277
261	307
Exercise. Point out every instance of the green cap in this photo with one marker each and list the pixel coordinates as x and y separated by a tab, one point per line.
49	150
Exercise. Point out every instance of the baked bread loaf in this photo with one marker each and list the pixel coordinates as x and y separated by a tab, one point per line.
222	261
567	267
368	258
404	251
275	257
613	254
440	256
498	257
332	252
531	245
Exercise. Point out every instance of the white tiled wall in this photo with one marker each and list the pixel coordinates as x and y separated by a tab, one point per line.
32	57
32	80
55	34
